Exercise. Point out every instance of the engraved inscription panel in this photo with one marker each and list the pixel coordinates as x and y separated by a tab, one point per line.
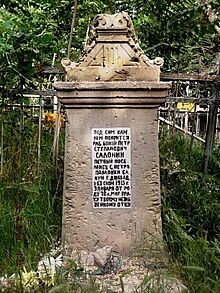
111	167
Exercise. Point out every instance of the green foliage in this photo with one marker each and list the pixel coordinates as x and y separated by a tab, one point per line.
30	194
31	32
191	221
191	204
176	30
72	278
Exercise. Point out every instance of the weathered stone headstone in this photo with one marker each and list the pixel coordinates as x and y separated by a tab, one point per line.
112	186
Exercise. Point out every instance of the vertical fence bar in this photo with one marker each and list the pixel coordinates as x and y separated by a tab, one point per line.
39	136
2	146
56	136
210	132
2	139
21	120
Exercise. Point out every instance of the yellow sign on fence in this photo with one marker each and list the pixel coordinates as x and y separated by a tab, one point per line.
186	106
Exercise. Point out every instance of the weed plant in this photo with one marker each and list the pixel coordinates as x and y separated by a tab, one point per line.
191	205
30	193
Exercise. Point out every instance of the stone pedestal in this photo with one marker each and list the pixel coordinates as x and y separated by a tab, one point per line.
112	185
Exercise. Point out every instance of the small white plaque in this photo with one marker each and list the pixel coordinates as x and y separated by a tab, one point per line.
111	167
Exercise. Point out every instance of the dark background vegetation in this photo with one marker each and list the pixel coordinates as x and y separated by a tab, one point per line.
183	32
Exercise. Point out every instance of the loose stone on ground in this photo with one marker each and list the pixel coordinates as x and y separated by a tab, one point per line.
115	274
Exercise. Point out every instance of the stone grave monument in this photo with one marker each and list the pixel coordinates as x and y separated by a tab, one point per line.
111	181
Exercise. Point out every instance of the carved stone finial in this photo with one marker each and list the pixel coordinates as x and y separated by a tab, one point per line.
113	53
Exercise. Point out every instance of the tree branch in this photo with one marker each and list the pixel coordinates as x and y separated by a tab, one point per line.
72	28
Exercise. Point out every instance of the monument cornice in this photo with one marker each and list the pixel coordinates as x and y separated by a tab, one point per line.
119	94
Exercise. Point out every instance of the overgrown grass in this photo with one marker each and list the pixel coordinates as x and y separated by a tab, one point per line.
191	205
30	194
32	190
